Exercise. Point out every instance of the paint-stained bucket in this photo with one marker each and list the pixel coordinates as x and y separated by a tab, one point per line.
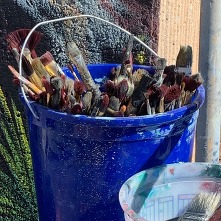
80	162
164	192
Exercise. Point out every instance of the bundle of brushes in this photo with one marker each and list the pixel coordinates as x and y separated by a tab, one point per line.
125	93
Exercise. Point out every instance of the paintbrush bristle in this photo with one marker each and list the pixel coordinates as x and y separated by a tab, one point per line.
202	207
17	38
46	58
51	66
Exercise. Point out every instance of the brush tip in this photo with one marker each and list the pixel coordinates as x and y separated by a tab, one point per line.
46	58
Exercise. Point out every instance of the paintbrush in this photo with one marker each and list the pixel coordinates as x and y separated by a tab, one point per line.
55	98
50	64
127	55
16	39
30	73
86	101
39	68
70	67
76	57
113	106
184	60
25	81
160	66
191	83
172	94
202	207
145	82
79	89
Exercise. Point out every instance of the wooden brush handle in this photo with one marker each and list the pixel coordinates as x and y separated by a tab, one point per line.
24	80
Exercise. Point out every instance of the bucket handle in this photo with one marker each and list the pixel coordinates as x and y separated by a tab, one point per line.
64	19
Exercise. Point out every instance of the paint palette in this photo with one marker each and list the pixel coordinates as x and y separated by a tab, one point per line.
163	193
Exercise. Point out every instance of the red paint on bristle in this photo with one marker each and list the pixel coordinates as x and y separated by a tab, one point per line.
122	89
104	103
17	38
190	84
79	87
163	88
109	87
77	109
173	93
49	89
46	58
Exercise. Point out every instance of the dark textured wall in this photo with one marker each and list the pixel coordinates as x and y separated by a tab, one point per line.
99	42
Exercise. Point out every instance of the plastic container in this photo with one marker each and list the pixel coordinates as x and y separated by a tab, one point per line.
80	162
164	192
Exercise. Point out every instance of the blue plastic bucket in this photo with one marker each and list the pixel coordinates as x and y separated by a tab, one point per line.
80	162
163	193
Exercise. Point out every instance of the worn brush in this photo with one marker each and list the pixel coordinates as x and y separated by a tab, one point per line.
172	94
184	60
154	94
39	68
160	66
127	55
86	101
202	207
30	73
121	90
113	106
163	88
24	80
138	95
55	98
77	108
191	83
74	54
50	64
70	67
103	105
16	39
79	89
169	75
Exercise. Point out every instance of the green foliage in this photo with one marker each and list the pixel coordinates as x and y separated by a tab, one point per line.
17	198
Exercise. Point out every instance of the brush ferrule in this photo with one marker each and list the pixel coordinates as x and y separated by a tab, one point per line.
185	70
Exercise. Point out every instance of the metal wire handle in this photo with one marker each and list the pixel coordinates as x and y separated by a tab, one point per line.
64	19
